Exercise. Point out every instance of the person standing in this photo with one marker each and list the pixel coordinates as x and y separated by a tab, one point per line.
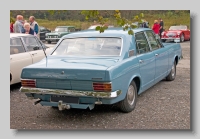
161	26
34	25
28	29
156	28
18	25
11	25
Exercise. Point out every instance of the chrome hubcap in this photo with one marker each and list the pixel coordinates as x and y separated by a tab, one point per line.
131	95
182	38
173	71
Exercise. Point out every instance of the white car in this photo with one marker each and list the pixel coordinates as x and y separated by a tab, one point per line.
25	49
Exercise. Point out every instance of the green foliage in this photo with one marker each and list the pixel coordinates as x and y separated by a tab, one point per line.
77	18
121	21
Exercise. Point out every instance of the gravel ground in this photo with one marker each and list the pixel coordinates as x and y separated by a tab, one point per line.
164	106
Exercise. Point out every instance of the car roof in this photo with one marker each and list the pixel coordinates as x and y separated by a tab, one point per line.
110	31
18	35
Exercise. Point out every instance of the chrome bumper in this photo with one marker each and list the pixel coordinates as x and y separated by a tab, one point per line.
28	90
54	39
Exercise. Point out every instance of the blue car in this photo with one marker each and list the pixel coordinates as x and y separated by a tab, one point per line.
89	68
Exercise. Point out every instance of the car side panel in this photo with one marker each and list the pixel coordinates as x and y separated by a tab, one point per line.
17	62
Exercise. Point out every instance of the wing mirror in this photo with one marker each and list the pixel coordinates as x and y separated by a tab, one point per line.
36	48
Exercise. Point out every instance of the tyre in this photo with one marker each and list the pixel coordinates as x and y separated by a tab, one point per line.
182	38
163	40
172	74
129	103
49	42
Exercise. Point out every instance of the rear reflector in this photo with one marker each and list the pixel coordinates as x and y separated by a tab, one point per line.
28	82
107	87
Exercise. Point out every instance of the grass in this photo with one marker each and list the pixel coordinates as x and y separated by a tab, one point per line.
169	20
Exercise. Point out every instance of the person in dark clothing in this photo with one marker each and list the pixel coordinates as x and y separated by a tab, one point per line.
28	29
144	24
161	26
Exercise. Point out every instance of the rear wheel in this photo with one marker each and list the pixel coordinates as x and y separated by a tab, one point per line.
182	38
163	40
49	42
129	103
172	74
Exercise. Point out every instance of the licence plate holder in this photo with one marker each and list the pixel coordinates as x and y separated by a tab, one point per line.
66	99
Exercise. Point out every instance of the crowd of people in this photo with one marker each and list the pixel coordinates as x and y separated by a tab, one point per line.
23	26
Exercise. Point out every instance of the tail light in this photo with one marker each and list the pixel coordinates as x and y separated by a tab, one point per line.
28	82
107	87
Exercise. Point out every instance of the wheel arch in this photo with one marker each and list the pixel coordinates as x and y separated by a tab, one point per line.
137	80
176	59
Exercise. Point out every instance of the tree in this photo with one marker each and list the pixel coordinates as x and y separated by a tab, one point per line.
101	19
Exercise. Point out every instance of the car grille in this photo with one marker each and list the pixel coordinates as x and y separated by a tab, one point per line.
171	34
53	36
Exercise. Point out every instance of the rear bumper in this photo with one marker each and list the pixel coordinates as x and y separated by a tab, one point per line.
74	93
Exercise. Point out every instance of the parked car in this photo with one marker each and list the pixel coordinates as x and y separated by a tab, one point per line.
94	26
59	32
176	33
88	68
25	49
43	32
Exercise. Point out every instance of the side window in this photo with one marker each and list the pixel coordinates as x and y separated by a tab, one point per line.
16	46
31	43
154	42
142	45
71	29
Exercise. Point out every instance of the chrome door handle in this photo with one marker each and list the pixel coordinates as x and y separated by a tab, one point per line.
141	61
156	54
34	53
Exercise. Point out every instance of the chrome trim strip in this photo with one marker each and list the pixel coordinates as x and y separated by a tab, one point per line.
29	90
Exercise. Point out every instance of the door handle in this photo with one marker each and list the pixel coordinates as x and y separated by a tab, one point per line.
156	54
34	54
141	61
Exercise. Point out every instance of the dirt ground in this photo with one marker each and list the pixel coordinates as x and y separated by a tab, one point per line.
164	106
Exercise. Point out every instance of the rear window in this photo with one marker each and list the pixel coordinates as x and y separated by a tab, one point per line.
89	47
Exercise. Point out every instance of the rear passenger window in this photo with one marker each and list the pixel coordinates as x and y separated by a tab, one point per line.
16	46
142	45
155	44
32	43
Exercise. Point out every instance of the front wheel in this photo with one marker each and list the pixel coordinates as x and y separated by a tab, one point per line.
129	103
172	73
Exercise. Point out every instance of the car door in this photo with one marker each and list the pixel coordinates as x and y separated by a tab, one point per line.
19	58
34	48
160	54
146	60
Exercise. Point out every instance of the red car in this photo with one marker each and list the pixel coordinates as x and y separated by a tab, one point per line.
176	33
